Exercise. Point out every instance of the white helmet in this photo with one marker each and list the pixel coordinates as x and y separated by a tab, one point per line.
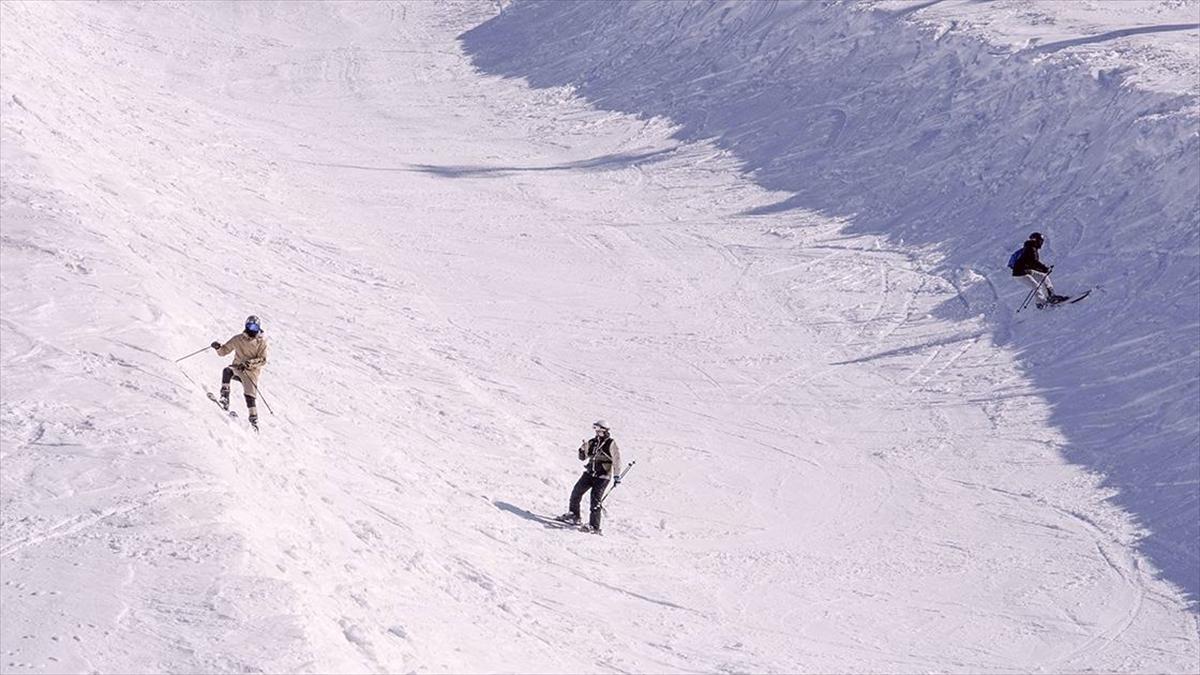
600	425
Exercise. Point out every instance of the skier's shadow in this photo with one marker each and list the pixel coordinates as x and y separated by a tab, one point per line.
530	515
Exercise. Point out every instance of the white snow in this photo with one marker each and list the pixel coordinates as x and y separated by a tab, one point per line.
765	242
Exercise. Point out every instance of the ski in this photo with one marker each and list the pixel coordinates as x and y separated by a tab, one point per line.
213	397
564	523
1071	299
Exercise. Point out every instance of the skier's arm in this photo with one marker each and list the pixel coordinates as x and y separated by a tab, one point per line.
615	452
1034	262
583	451
228	346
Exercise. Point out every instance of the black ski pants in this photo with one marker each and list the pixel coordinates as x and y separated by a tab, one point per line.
597	485
226	376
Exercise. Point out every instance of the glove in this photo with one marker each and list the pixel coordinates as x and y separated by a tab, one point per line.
238	366
616	481
215	345
1051	269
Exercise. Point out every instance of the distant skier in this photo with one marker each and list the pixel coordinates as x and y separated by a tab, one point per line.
602	463
1028	266
250	355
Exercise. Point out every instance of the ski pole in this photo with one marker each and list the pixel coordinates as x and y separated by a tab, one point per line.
258	390
600	504
192	354
1035	290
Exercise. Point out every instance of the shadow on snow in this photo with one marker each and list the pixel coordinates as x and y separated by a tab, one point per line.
943	141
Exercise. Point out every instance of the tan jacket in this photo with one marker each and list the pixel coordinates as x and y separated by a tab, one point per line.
602	455
251	354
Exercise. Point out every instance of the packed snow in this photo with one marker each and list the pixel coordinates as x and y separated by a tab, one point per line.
764	241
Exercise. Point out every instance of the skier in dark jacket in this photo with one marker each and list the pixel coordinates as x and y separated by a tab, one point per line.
1030	268
602	461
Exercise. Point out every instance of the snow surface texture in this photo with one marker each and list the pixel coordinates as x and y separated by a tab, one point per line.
850	456
948	143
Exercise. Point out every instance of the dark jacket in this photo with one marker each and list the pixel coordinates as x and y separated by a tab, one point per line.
1028	261
602	456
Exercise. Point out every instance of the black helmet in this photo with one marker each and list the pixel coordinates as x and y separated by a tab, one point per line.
252	326
1036	236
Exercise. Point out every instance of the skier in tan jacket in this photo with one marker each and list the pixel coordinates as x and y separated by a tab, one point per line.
249	356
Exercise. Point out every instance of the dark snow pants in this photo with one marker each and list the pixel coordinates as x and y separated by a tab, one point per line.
589	482
226	376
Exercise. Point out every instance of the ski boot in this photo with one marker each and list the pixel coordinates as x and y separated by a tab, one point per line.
590	529
568	518
223	402
1055	299
254	422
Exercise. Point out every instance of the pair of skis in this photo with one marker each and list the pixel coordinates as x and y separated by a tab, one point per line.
1066	300
1071	299
224	405
566	523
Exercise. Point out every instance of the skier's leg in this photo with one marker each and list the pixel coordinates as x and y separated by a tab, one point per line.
253	410
1047	287
581	486
1034	279
1051	296
250	391
598	486
226	376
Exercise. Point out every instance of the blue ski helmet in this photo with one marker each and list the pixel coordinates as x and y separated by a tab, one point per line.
252	326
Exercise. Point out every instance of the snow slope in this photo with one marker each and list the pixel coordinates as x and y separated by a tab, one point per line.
924	122
845	461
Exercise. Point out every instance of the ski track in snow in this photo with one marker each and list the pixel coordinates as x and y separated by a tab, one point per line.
458	273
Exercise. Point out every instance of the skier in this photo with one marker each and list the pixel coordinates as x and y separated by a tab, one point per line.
602	462
250	355
1029	267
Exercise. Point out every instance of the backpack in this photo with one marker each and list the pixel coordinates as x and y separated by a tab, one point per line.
1012	259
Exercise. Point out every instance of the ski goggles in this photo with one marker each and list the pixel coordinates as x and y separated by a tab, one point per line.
253	328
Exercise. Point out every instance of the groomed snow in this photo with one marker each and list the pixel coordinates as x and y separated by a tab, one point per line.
850	455
950	138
